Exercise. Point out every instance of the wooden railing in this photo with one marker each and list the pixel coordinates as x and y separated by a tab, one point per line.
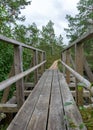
39	60
74	62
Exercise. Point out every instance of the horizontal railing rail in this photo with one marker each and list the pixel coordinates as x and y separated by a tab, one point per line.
4	84
17	43
83	38
85	82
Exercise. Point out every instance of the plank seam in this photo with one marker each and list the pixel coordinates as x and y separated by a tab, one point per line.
36	102
62	102
49	101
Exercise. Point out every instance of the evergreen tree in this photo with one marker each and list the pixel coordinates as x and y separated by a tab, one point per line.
9	13
80	24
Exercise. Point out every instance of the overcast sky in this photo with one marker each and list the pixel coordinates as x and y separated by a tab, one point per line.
41	11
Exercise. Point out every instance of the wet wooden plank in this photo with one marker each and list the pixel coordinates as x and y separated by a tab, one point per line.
22	118
72	113
56	114
39	118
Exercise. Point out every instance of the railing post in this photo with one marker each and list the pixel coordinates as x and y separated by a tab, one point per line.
35	63
44	58
18	69
68	63
64	60
79	68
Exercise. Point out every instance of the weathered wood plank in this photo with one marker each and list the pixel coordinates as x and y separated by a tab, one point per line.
56	114
35	63
8	108
80	78
29	85
85	93
72	113
79	68
42	59
64	60
81	39
21	120
39	118
18	69
17	43
68	63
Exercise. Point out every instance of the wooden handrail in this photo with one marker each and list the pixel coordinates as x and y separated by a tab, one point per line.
4	84
79	77
17	43
81	39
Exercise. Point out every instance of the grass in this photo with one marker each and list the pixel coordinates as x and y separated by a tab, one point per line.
87	115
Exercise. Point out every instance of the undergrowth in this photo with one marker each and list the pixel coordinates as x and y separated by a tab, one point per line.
87	115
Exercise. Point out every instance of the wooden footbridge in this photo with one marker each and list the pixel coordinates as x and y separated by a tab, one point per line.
50	104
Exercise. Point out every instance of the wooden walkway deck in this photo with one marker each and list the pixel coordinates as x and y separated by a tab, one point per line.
50	106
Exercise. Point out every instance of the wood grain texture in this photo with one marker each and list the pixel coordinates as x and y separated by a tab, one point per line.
45	107
17	43
39	118
21	120
8	108
81	39
72	113
4	84
79	59
35	63
18	66
68	63
56	114
79	77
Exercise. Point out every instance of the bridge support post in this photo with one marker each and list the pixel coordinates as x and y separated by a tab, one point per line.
42	59
64	60
35	63
18	69
68	63
79	68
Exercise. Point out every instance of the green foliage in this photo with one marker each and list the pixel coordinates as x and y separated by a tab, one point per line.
68	103
81	126
6	59
81	23
87	114
3	127
60	66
